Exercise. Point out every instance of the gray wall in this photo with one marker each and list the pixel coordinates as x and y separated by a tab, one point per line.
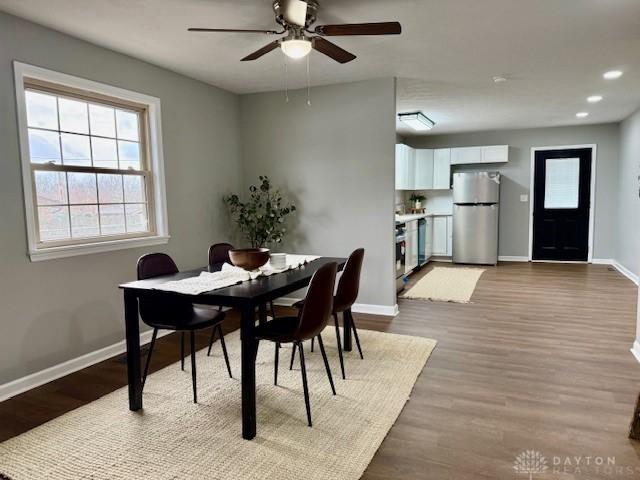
336	159
514	215
56	310
628	233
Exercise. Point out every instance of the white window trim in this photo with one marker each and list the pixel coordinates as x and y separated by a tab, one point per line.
23	71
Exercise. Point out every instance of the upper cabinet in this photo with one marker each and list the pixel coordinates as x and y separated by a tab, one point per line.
405	167
424	169
442	169
495	154
474	155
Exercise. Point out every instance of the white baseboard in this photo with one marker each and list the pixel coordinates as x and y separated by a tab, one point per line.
47	375
511	258
371	309
603	261
625	271
636	350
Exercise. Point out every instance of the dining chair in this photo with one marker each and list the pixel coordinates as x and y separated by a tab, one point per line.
177	315
312	318
345	297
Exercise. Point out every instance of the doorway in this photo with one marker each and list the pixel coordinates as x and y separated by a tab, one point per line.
562	187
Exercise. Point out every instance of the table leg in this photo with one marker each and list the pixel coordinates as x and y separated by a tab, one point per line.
132	329
346	323
262	313
248	345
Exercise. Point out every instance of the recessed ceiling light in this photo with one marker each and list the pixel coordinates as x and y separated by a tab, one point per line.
594	98
612	75
582	114
417	120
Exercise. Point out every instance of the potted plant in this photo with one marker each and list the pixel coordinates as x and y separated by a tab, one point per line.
261	221
417	199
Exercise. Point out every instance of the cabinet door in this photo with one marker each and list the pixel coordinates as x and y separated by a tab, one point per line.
405	167
411	258
442	169
495	154
424	169
466	155
440	236
449	236
428	246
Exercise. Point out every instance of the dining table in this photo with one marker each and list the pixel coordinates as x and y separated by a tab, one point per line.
245	297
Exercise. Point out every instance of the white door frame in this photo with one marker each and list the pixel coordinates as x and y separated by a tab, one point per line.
594	149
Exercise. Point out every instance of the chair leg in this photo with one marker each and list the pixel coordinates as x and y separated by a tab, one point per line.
304	383
313	341
193	366
273	310
355	334
293	356
146	365
213	337
335	317
326	363
275	368
182	351
224	349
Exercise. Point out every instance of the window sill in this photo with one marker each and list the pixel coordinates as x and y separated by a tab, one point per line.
98	247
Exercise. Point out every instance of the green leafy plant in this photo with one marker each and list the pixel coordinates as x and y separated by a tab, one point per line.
416	197
261	217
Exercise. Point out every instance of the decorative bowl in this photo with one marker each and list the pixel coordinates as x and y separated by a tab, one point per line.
249	258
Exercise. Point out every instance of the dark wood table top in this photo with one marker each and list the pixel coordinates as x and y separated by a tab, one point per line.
259	290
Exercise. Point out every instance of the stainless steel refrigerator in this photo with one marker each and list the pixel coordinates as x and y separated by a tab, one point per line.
476	197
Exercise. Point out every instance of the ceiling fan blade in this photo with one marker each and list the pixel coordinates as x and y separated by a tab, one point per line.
381	28
263	51
332	50
233	30
295	12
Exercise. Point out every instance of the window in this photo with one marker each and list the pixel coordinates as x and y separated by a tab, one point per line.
562	182
92	165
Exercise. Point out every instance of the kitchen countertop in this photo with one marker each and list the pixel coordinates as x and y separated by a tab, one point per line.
408	218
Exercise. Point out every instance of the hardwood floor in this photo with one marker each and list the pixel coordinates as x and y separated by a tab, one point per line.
539	361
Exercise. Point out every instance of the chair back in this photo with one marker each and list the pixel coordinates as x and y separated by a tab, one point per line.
156	309
218	255
318	304
349	282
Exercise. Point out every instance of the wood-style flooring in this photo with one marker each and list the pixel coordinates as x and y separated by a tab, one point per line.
538	361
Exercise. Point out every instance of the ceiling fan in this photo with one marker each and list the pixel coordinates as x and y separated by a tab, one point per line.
296	17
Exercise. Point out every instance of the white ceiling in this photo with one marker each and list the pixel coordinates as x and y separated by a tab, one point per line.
555	51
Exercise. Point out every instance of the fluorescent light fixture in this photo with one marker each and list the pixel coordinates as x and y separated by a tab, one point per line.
296	48
594	98
582	114
417	120
612	75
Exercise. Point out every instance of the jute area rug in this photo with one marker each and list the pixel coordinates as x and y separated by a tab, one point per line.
446	284
172	438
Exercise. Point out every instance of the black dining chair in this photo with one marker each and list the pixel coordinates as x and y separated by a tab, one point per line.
345	297
309	323
174	314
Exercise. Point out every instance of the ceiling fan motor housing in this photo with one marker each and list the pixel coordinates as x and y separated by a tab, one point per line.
281	9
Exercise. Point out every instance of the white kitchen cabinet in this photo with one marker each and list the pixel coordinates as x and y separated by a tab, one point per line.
442	169
495	154
466	155
449	236
440	236
405	167
411	242
428	244
423	169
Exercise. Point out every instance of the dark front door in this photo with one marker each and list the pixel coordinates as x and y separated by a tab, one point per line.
561	203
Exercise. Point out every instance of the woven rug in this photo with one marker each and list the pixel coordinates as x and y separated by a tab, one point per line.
446	284
173	438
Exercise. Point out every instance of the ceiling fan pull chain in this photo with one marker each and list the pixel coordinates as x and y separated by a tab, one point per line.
286	81
308	83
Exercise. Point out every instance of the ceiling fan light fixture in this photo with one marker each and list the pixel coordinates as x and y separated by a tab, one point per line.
417	120
296	47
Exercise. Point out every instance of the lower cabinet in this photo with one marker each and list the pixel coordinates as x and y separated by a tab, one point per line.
442	236
411	258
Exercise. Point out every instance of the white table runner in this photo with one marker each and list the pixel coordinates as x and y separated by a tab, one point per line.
230	275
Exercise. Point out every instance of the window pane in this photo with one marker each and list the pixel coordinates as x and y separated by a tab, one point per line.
51	188
75	149
73	116
54	223
84	221
129	153
42	110
105	152
82	187
133	189
136	217
102	120
44	147
562	182
127	125
110	188
112	219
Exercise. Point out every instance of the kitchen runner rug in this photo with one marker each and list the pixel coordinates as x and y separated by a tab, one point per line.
446	284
